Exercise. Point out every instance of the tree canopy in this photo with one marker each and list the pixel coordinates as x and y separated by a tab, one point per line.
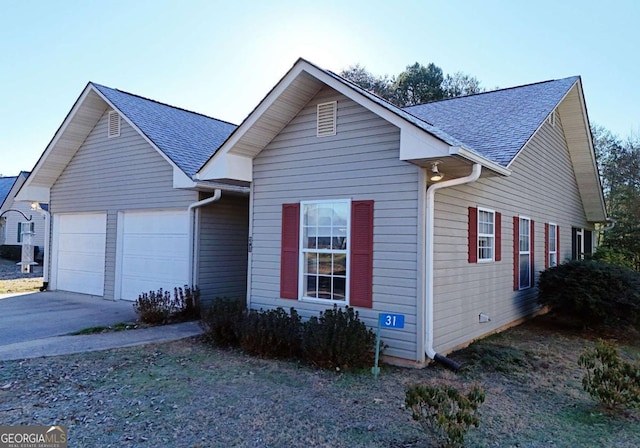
619	164
417	84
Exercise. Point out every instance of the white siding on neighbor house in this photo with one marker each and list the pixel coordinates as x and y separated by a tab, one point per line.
9	231
361	162
543	188
223	248
112	175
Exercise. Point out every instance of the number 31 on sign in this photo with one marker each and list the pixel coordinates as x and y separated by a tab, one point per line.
391	320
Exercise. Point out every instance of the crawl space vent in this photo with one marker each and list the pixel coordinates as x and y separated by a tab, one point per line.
327	118
114	124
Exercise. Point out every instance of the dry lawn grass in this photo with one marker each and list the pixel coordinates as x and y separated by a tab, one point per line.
12	281
188	394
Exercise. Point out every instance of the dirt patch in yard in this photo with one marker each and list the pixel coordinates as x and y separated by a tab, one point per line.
189	394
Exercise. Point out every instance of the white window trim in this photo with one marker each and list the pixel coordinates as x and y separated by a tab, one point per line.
524	252
487	235
302	250
555	243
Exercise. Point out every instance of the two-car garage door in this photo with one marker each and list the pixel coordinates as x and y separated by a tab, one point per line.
151	252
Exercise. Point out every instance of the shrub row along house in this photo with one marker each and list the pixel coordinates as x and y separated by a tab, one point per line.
327	194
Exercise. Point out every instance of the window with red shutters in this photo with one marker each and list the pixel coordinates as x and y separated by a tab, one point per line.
324	253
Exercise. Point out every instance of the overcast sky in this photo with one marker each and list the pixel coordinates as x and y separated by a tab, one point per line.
220	58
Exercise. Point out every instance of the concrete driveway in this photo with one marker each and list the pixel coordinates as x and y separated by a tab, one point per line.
38	324
41	315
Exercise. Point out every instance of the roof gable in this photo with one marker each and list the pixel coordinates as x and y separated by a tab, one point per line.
496	124
187	138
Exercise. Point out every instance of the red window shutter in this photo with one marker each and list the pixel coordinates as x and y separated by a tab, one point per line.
473	235
498	231
289	251
516	252
532	252
361	275
546	245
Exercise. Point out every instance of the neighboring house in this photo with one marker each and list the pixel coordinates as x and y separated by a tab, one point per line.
12	224
344	209
127	215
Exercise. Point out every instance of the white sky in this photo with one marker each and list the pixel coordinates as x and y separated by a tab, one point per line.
220	58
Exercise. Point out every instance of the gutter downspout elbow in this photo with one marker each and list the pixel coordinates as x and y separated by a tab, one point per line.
193	233
429	252
611	224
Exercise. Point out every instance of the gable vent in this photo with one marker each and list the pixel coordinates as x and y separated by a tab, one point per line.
327	118
114	124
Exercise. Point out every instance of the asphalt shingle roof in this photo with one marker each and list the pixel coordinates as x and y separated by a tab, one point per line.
189	139
496	124
5	187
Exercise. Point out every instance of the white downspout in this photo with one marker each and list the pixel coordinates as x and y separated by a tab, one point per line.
194	233
430	206
47	236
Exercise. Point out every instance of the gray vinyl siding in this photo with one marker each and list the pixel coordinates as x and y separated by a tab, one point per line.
223	248
542	187
116	174
361	162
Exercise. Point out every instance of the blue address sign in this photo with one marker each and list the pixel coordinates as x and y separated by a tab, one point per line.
388	320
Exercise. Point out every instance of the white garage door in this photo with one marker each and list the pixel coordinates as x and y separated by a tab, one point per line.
80	241
154	252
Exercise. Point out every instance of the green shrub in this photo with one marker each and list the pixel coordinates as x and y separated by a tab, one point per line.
158	307
619	257
592	290
223	321
272	334
444	412
610	380
338	340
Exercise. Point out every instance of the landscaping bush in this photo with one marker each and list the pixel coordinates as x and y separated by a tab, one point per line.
223	321
338	340
610	380
272	334
592	290
158	307
444	412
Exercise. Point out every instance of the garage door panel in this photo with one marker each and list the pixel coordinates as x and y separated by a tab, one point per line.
154	252
81	242
148	245
80	262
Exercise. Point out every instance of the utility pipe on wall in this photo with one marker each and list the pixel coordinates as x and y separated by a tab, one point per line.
194	233
429	251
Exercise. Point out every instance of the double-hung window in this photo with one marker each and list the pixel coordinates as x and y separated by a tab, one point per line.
552	242
324	246
524	260
486	235
327	252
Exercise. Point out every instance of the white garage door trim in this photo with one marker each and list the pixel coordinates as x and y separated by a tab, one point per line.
152	251
79	246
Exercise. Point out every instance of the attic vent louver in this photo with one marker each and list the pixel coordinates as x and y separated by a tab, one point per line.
551	119
327	118
114	124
